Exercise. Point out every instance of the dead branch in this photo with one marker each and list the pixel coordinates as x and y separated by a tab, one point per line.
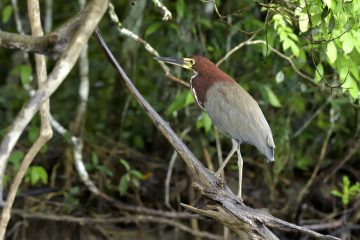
52	44
227	208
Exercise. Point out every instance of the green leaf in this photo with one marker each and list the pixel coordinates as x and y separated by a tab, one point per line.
15	158
348	43
94	159
303	22
136	174
294	48
6	13
331	52
336	193
33	133
25	74
319	72
41	172
180	8
152	28
135	182
125	164
329	3
351	86
279	77
271	97
204	121
124	184
182	100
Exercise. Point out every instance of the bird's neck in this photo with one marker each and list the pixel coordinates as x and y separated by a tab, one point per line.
202	81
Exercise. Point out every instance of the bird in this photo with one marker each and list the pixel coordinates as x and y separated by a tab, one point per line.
232	109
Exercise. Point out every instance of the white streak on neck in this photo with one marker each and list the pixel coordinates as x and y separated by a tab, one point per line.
193	90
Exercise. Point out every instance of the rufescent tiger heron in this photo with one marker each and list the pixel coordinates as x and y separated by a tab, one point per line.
233	111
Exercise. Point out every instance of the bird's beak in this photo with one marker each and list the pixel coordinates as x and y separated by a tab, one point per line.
182	62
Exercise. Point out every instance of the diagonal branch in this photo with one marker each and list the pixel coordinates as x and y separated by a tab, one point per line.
225	207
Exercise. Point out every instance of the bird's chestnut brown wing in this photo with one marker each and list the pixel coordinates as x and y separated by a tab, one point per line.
238	115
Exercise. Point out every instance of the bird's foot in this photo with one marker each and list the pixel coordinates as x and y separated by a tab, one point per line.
239	196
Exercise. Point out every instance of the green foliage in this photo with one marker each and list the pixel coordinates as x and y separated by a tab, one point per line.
336	24
15	158
25	73
96	166
6	13
204	122
349	191
287	37
70	199
36	174
182	100
270	96
131	178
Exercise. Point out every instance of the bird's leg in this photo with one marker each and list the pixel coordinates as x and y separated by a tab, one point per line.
221	168
240	166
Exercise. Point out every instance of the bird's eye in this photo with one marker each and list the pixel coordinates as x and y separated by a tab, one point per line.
192	61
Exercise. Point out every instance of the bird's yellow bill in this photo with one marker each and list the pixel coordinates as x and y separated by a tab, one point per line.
182	62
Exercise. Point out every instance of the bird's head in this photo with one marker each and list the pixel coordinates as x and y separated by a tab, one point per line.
198	64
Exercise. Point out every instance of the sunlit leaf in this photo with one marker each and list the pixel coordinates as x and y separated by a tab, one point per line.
348	42
319	72
351	86
280	77
331	52
303	22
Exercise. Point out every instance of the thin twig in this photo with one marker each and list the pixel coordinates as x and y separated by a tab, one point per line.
170	169
128	33
320	160
167	14
84	176
313	116
277	52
